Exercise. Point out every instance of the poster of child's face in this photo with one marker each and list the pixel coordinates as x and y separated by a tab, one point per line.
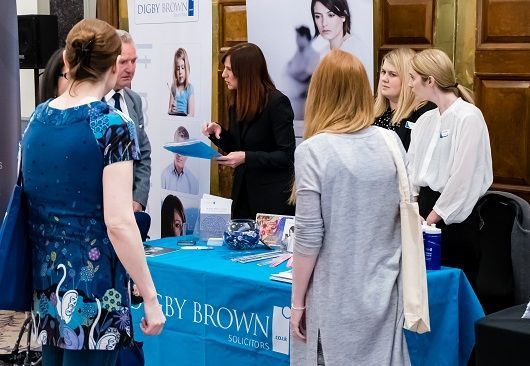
178	214
303	33
181	86
173	217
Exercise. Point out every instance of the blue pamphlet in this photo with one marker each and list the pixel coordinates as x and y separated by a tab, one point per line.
192	148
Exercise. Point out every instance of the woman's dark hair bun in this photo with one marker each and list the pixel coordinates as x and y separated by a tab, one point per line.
83	50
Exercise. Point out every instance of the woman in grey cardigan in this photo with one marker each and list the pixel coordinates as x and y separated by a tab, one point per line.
347	299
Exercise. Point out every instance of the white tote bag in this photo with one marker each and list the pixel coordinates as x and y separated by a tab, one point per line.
413	272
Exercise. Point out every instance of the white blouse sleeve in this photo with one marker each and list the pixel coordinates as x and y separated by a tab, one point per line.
309	225
471	172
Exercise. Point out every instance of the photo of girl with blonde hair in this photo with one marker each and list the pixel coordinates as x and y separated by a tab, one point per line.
181	96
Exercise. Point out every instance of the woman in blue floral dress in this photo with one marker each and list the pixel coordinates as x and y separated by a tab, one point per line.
77	168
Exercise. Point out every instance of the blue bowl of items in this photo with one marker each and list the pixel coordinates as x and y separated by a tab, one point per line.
241	234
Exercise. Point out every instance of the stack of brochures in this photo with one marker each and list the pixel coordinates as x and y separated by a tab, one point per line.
286	276
214	216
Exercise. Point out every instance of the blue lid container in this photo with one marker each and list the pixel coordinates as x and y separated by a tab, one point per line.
432	244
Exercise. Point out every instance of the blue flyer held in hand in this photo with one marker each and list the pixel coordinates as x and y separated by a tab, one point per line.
192	148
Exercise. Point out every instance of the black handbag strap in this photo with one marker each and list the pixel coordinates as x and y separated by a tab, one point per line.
20	179
25	326
29	357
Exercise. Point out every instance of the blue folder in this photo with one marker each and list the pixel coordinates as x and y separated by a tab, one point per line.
192	148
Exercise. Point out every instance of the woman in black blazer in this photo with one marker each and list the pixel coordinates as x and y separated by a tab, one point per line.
260	141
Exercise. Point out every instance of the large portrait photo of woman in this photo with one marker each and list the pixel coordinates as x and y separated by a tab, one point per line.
303	33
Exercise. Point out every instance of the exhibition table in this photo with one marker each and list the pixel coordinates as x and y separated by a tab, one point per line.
220	312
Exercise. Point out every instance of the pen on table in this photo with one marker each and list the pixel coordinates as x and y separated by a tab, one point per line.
196	248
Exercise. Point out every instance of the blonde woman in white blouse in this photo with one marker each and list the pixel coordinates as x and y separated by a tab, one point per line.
449	157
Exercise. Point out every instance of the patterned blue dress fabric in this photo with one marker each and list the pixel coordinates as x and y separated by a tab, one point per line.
81	299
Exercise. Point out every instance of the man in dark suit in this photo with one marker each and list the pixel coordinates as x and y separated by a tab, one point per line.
130	103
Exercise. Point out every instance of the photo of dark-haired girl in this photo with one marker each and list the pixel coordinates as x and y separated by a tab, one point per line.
303	33
172	217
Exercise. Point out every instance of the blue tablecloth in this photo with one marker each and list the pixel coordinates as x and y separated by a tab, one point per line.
220	312
454	309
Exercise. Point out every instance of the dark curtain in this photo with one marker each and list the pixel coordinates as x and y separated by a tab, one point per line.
108	10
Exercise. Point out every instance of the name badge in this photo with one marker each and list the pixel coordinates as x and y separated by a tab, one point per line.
409	125
444	133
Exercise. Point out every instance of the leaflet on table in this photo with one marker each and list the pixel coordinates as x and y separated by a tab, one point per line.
192	148
154	251
215	242
277	261
215	214
256	257
285	276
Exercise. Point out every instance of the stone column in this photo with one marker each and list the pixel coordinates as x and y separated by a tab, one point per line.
68	13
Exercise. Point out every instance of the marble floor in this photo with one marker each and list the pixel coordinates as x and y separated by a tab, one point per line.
10	324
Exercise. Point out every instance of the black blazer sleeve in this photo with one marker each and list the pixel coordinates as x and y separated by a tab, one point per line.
280	114
226	141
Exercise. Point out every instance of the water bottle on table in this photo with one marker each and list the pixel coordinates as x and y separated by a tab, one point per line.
432	243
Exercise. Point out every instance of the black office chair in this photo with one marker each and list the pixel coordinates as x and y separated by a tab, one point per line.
503	277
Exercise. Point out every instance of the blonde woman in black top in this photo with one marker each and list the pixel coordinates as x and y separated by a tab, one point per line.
396	107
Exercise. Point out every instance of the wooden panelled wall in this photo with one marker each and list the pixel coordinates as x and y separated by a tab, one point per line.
488	41
230	28
419	24
502	86
113	12
108	10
